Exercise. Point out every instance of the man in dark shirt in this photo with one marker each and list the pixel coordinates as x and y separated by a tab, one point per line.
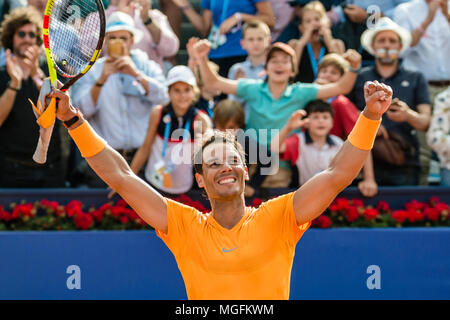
412	111
21	79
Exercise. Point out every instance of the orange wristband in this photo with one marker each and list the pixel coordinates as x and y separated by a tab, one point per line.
87	140
364	133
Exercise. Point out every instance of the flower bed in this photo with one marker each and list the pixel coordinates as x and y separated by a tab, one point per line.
51	215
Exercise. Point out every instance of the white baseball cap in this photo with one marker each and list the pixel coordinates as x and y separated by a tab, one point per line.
385	24
180	74
121	21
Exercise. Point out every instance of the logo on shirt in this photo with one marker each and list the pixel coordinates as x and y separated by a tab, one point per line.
405	83
229	250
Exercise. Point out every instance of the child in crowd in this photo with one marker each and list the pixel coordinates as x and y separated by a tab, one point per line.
255	41
330	70
166	149
229	116
311	150
315	42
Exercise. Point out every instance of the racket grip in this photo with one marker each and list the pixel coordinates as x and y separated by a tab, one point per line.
40	154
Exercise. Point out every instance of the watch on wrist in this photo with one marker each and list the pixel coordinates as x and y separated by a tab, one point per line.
74	119
148	21
12	88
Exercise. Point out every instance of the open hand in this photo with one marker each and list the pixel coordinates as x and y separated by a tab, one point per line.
31	59
13	68
296	120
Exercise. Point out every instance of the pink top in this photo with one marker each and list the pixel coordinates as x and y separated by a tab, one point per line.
284	14
168	45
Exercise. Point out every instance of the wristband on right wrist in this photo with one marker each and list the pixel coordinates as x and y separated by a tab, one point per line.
364	132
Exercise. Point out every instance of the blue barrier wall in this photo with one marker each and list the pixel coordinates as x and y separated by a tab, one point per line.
414	263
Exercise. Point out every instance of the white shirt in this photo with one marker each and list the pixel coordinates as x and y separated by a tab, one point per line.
431	55
310	158
122	112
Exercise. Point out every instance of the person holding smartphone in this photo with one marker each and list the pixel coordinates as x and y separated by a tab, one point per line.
120	90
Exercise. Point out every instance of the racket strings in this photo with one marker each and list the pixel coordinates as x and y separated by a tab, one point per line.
74	33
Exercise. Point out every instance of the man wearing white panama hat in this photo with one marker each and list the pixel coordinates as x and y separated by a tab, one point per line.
120	90
410	112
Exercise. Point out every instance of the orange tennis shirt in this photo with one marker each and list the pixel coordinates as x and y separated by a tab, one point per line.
253	260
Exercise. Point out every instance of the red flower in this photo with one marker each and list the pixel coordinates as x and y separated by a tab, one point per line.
83	221
431	214
73	208
117	211
256	202
370	213
341	204
443	209
4	215
23	210
357	202
434	200
52	206
382	206
123	219
323	222
414	205
97	215
351	214
399	215
414	215
122	203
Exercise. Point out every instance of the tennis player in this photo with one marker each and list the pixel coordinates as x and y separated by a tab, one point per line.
235	252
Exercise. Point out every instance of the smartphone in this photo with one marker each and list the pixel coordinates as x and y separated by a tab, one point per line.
116	48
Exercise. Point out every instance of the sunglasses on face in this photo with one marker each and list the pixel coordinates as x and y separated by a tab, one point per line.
22	34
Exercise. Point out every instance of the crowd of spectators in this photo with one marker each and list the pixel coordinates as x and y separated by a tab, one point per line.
286	76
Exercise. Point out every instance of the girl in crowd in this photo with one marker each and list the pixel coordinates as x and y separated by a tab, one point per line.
315	42
167	149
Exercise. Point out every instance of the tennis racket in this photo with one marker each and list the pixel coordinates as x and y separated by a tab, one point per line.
73	34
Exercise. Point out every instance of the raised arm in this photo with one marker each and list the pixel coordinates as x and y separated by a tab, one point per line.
264	13
311	199
112	168
346	82
212	81
296	121
200	22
